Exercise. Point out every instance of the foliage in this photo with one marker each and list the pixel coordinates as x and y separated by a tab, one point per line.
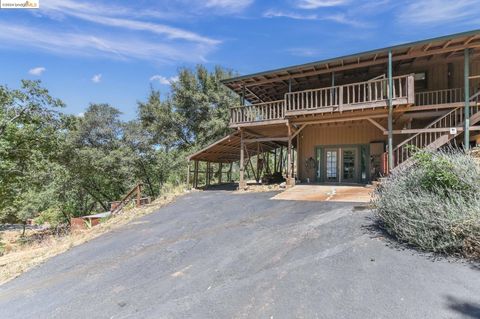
53	216
54	166
433	203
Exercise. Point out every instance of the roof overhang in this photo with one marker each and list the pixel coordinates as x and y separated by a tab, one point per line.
267	86
227	149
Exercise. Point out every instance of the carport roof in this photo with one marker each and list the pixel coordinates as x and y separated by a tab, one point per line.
227	149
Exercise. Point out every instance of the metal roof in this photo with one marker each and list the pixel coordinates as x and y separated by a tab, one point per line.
259	86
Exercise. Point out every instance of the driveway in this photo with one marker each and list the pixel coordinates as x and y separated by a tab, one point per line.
334	193
216	254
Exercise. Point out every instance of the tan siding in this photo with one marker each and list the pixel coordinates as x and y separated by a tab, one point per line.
316	135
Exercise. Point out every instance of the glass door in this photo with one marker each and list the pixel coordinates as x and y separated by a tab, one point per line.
349	169
331	165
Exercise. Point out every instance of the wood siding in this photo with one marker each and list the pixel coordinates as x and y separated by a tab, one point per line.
316	135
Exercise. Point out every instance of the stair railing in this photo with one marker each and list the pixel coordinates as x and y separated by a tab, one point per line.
453	118
116	207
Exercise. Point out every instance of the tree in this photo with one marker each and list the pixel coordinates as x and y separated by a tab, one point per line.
65	165
30	134
195	114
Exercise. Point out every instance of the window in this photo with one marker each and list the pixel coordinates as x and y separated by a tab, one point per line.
420	81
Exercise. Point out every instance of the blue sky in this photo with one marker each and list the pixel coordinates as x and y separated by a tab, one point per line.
112	51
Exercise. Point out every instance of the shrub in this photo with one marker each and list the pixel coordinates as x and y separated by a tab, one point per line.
433	202
54	217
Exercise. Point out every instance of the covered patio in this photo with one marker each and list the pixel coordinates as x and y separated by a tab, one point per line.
239	155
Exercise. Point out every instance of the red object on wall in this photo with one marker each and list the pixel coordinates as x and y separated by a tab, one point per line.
384	164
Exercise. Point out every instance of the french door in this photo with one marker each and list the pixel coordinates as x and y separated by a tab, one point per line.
337	164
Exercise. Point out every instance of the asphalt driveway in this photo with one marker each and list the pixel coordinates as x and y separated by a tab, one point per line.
216	254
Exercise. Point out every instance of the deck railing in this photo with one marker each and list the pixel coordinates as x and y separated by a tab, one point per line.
355	94
447	96
257	112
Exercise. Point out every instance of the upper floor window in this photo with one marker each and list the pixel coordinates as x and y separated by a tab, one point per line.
420	81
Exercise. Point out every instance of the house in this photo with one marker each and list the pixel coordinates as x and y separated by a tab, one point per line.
352	118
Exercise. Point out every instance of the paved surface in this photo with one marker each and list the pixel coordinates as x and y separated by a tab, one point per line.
333	193
214	254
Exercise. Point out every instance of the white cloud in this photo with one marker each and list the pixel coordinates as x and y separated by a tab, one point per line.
432	12
338	18
114	31
164	80
83	12
314	4
290	15
229	5
97	78
120	47
37	71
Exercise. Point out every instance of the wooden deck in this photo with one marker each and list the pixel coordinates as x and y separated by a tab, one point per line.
356	96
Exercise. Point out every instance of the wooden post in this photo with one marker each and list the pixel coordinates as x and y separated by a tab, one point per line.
207	174
274	160
258	163
243	96
289	155
220	173
298	157
241	184
188	175
229	174
195	174
280	161
390	112
466	75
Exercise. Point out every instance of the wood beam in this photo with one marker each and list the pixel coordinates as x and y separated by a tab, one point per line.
299	130
377	125
266	139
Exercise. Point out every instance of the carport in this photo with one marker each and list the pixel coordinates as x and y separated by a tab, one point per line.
216	161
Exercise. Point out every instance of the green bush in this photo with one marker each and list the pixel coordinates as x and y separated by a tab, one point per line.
52	216
433	203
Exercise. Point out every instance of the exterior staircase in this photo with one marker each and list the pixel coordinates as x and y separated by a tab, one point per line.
439	134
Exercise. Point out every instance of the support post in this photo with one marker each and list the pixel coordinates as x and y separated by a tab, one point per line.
220	173
332	91
243	96
298	157
229	174
258	163
390	112
466	74
274	161
207	174
241	184
188	175
197	165
289	156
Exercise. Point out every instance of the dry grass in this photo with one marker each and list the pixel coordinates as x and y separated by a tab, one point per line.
21	258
